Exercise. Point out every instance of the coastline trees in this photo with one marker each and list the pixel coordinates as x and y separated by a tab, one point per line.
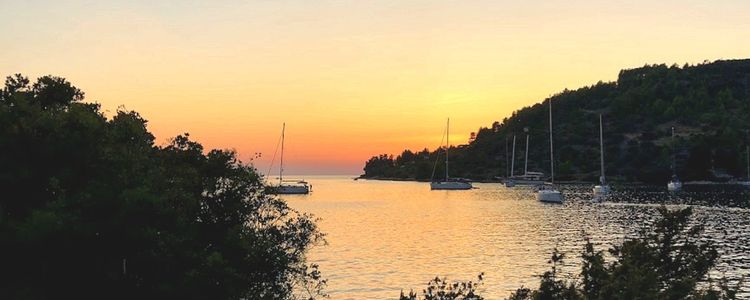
91	207
709	104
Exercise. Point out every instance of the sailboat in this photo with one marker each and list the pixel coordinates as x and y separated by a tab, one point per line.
602	190
549	193
289	186
528	178
448	183
674	184
509	182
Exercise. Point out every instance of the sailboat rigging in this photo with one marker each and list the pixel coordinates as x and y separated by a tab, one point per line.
509	182
289	186
448	183
674	184
528	178
549	193
602	190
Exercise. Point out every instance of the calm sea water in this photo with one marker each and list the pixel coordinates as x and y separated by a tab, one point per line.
385	236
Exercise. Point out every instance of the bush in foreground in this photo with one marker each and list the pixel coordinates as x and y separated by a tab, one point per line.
441	289
669	261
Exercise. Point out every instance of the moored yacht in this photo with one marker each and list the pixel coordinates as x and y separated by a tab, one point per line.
452	184
674	184
448	183
288	187
294	187
527	178
601	191
548	193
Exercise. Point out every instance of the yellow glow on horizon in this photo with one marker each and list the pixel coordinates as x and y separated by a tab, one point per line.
351	80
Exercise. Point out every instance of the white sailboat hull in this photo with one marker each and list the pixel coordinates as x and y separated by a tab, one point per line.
674	186
450	185
286	189
550	196
290	187
601	192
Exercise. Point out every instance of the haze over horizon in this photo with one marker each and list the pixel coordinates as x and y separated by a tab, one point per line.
350	79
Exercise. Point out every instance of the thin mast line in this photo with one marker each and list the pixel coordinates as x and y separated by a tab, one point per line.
601	149
513	160
281	163
273	158
447	146
551	148
674	156
437	157
507	171
526	163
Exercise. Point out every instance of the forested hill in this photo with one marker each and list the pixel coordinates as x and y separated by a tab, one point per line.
708	104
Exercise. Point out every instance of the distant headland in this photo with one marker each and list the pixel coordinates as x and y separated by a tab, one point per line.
708	105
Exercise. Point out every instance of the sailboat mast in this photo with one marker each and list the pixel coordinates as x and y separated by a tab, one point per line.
601	149
447	146
526	162
507	171
513	160
281	163
551	148
674	159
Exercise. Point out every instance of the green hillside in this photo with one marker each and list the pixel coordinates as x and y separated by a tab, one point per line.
708	104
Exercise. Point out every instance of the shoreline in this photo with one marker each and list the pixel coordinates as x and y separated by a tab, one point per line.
696	182
470	180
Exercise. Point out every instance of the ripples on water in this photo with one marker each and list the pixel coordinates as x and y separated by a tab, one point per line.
385	236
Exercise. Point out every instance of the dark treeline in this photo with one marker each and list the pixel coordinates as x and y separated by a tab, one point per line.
708	104
91	208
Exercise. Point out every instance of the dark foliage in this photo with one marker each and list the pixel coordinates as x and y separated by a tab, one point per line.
708	104
667	261
91	208
442	289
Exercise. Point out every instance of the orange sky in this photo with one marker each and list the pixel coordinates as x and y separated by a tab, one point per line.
350	78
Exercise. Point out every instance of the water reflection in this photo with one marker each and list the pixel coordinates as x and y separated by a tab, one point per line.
386	236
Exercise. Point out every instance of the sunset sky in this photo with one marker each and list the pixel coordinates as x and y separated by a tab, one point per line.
351	79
